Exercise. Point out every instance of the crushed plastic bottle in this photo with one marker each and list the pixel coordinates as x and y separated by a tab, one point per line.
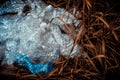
33	33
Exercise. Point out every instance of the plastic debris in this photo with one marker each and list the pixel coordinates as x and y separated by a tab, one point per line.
36	33
24	61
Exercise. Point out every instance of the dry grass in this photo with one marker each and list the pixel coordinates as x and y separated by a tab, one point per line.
98	33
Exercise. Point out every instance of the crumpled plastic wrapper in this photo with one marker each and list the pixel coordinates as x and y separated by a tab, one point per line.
36	33
25	61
